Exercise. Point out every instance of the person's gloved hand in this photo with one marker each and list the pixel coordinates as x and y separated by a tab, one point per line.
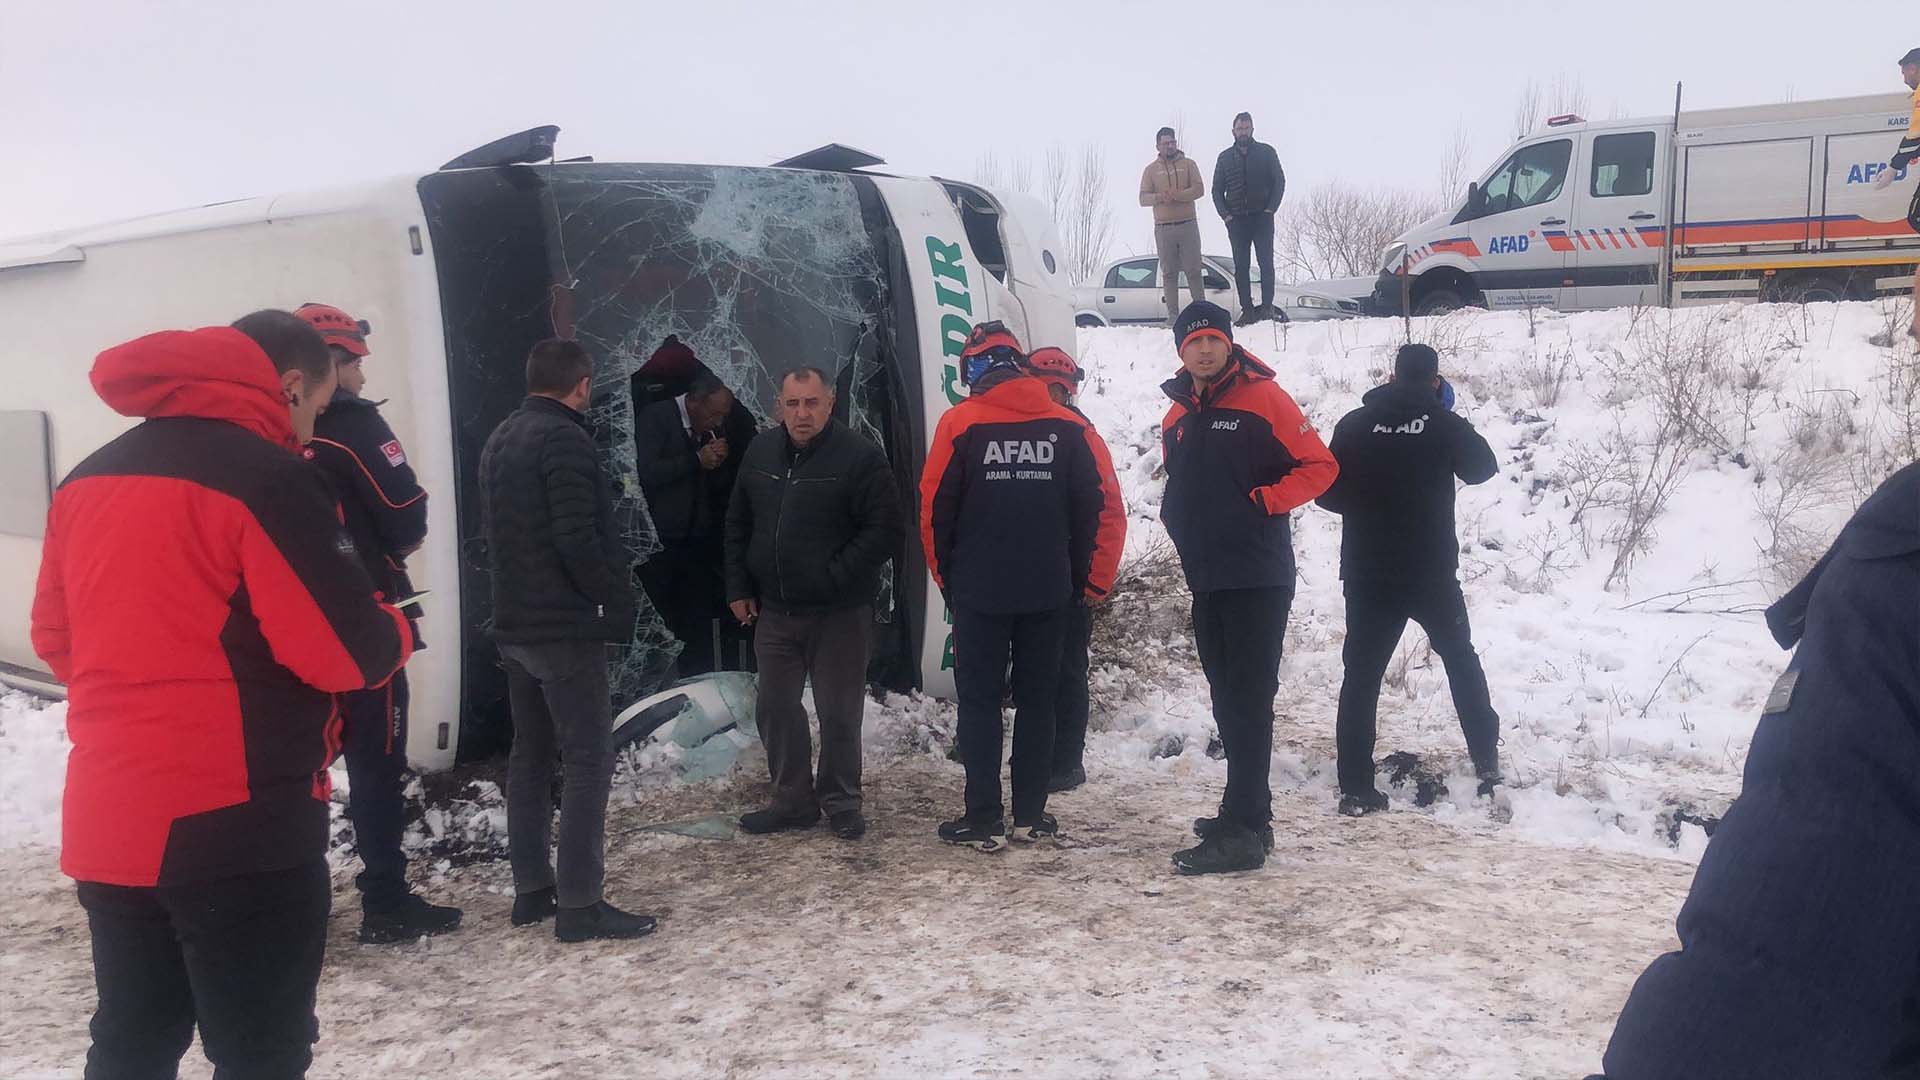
1445	395
1884	180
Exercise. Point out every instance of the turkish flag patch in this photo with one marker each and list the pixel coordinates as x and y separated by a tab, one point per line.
395	456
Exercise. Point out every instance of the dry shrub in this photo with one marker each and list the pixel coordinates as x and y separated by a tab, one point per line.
1149	608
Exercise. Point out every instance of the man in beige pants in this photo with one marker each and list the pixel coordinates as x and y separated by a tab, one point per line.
1171	185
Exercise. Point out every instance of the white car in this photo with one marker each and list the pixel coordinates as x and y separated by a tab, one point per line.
1128	293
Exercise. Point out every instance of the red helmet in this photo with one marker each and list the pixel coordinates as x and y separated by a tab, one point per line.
1055	366
337	327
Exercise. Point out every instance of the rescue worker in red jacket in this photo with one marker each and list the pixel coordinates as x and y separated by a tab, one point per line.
1021	520
386	516
201	602
1240	457
1062	375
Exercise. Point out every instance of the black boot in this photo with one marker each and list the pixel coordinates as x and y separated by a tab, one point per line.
773	820
1227	851
536	906
1488	772
601	922
988	836
1360	804
1204	827
1066	780
848	825
406	920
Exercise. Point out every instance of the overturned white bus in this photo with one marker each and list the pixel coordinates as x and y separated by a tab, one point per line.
872	277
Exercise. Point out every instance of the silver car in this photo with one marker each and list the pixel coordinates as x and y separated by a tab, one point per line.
1128	293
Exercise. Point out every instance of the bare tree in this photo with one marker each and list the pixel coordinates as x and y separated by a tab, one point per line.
1539	103
1056	179
987	170
1568	96
1529	110
1337	230
1086	226
1456	164
1020	175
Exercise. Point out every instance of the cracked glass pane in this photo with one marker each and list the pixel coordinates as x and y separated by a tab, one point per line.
754	271
747	271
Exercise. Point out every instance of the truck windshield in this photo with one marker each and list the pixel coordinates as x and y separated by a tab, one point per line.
749	272
1533	175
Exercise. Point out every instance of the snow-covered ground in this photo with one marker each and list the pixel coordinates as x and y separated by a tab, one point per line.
1458	938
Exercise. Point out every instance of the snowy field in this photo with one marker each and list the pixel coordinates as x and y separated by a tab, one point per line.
1662	478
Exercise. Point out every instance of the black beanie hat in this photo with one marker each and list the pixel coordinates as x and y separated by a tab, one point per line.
1201	317
1416	363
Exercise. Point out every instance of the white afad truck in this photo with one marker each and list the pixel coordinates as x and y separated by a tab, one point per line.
1762	203
820	260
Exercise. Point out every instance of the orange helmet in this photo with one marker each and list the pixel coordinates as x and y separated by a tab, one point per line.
990	345
1055	366
337	327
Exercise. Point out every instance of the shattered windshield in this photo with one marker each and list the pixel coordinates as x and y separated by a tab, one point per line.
754	270
748	271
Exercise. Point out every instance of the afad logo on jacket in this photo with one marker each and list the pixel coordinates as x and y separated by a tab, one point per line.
1412	427
1020	452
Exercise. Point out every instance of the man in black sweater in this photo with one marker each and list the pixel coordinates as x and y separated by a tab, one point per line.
813	518
561	592
1248	185
1399	454
687	466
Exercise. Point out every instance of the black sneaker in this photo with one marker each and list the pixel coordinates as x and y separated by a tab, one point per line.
1204	827
1367	802
988	836
601	922
1041	828
411	918
536	906
773	820
1488	772
1227	851
848	825
1066	780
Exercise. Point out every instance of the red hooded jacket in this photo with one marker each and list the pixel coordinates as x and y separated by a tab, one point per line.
202	603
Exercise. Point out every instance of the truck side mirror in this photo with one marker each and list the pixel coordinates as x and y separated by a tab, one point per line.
1476	199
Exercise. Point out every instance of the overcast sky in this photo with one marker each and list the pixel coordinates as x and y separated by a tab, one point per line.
113	109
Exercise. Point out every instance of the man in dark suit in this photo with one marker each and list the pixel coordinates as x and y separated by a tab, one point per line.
687	466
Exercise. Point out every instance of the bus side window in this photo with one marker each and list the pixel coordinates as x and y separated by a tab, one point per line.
26	484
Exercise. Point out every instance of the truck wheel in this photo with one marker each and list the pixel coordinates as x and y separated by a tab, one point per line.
1818	289
1438	302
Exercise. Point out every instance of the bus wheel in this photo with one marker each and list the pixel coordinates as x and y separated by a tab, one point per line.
1438	302
1815	289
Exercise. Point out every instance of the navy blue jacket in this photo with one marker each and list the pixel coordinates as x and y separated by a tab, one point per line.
1399	453
1800	942
1020	510
383	504
1240	458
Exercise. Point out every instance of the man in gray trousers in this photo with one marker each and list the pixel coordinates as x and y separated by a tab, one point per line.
562	590
1171	186
813	518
